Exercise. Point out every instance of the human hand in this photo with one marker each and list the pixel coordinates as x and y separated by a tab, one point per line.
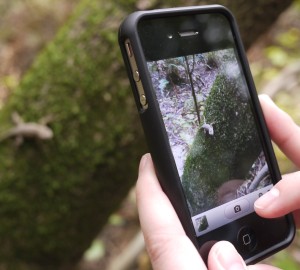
284	197
166	242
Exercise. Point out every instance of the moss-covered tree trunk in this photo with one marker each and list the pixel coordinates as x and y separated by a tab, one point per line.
226	154
55	195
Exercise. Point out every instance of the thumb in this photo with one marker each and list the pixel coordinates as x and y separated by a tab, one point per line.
282	199
224	256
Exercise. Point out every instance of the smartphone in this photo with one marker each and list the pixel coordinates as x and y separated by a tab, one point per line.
204	126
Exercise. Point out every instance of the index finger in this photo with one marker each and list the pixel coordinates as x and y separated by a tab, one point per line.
283	130
166	242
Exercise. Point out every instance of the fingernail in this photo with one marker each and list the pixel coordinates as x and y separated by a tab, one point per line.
228	258
144	161
267	199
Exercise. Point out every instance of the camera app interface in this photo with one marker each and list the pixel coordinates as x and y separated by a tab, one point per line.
204	103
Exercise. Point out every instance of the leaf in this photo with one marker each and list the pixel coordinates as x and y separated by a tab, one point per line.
95	252
277	55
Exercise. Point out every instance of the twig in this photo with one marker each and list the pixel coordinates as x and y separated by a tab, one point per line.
260	175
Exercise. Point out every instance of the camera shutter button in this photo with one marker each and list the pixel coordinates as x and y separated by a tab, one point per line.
237	208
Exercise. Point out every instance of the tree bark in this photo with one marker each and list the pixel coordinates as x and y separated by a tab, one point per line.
255	17
56	195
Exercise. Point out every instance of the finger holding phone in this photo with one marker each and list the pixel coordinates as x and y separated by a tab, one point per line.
166	242
284	197
206	133
152	201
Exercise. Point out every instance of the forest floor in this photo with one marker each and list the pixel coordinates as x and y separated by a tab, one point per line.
27	26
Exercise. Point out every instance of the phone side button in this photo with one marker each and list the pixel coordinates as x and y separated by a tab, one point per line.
136	76
128	48
143	100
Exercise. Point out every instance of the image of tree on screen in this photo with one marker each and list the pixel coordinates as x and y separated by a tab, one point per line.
205	107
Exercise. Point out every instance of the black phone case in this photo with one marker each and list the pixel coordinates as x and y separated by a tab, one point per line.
154	128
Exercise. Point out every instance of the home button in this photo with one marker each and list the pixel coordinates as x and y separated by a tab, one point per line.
247	239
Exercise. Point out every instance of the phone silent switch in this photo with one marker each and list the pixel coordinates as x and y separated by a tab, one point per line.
128	49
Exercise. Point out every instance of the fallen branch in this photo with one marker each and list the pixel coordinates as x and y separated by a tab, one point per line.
127	258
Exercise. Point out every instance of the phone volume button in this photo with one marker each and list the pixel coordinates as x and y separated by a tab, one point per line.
138	87
143	100
136	76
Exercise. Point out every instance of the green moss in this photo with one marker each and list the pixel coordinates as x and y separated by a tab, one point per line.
55	195
228	153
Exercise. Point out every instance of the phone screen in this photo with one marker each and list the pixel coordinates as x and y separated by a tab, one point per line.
206	108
